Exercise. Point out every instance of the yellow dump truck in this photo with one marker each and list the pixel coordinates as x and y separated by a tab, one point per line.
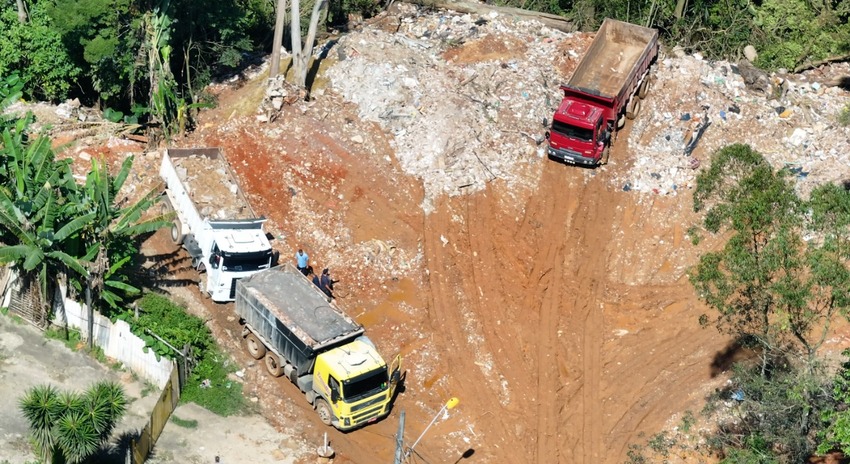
289	322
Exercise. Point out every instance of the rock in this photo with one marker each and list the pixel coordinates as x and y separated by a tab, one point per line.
357	139
754	78
750	53
85	156
679	51
798	137
277	103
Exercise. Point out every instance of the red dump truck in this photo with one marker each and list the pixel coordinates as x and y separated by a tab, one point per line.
605	89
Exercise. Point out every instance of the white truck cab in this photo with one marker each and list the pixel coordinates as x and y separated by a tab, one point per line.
213	220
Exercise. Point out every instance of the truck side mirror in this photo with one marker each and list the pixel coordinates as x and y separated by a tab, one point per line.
546	135
214	259
334	395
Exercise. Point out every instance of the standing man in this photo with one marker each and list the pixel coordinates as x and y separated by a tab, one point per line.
301	260
327	284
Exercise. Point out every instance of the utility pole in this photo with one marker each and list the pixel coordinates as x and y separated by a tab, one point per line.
399	441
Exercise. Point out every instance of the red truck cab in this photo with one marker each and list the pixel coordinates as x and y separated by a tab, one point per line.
579	132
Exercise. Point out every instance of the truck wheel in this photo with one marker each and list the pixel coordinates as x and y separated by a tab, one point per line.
643	90
177	232
324	411
621	122
254	346
165	207
633	108
273	365
605	154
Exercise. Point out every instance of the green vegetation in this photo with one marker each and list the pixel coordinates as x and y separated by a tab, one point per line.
70	427
776	292
51	227
844	116
208	385
73	340
185	423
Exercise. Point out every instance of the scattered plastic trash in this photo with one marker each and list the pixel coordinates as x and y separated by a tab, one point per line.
206	383
627	187
779	109
655	175
786	114
735	109
799	173
738	395
685	117
723	115
697	135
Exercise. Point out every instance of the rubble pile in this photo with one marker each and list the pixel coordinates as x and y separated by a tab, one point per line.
457	123
211	186
279	92
793	125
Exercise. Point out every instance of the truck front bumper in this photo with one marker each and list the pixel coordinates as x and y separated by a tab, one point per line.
571	157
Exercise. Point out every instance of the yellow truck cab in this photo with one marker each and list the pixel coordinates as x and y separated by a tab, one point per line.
291	324
354	383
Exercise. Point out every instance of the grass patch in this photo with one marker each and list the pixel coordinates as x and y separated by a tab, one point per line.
844	116
210	388
69	337
208	384
185	423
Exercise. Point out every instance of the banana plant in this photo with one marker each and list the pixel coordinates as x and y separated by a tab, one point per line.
37	227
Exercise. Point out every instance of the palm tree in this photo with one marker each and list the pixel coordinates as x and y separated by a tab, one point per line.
69	427
109	236
35	225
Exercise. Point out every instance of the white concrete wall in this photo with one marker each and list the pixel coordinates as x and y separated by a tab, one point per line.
117	342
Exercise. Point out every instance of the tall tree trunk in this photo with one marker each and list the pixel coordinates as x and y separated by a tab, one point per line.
22	11
307	51
680	8
277	43
296	37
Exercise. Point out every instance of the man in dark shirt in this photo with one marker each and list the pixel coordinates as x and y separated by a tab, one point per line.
326	283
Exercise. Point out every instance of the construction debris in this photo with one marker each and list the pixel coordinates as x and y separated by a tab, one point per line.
460	122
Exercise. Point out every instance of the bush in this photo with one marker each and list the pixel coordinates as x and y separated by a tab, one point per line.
208	384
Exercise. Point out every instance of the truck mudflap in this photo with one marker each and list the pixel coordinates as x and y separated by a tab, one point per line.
571	157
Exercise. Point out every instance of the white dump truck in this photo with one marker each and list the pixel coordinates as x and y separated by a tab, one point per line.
213	220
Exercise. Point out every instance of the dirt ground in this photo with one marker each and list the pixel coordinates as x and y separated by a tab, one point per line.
551	300
560	315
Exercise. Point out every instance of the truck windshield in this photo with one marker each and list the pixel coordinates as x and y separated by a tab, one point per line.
246	261
365	385
573	132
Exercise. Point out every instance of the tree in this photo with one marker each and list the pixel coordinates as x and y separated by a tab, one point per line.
35	226
301	55
109	237
277	42
69	427
34	50
779	281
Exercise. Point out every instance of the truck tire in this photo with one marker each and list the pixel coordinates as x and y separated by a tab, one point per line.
633	108
643	90
177	232
165	207
605	154
254	346
323	409
273	365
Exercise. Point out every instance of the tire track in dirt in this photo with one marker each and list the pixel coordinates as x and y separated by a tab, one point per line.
546	220
570	293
